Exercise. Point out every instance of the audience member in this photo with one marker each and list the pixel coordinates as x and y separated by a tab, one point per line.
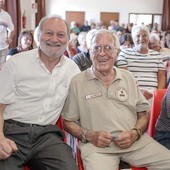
129	28
85	27
156	29
145	64
83	59
111	112
6	33
74	28
25	43
72	46
167	39
162	134
114	25
82	47
33	89
93	25
155	44
126	41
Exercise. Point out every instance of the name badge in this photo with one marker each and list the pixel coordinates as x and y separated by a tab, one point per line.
90	96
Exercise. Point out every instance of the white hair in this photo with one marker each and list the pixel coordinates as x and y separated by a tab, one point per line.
116	43
89	37
139	27
154	36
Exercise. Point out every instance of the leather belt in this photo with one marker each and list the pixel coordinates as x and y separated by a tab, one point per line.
22	124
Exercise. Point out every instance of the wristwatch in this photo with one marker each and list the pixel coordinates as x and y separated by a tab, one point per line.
139	132
83	136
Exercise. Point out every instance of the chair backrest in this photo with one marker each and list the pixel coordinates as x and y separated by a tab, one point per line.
155	110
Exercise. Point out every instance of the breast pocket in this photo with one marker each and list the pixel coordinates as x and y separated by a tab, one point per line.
60	96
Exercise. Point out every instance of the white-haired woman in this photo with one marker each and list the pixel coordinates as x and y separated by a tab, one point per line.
145	64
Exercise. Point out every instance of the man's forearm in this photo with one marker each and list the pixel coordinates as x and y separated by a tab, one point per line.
2	107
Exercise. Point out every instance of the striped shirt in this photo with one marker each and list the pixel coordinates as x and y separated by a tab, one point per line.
143	66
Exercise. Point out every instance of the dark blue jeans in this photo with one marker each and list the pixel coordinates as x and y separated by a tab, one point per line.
163	138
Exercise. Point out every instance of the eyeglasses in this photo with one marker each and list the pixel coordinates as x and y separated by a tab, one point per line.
98	49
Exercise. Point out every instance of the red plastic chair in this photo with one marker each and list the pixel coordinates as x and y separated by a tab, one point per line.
133	168
60	125
155	110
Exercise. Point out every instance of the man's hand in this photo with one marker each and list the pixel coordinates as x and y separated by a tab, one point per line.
8	41
99	138
126	139
7	147
147	94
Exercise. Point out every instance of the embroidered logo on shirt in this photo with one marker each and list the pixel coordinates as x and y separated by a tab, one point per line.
121	94
90	96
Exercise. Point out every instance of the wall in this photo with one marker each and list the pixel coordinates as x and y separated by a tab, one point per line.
30	15
94	7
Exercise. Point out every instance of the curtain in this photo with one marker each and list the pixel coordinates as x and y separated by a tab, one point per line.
13	8
166	15
41	10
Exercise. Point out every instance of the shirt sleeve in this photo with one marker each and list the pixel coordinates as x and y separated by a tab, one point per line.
8	85
10	23
70	110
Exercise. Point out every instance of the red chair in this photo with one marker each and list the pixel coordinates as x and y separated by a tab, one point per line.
155	110
60	125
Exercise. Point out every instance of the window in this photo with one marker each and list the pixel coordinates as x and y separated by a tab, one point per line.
146	19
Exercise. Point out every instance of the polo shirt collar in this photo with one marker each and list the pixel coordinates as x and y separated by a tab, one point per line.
91	75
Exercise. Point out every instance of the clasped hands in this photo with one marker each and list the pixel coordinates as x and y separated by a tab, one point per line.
103	139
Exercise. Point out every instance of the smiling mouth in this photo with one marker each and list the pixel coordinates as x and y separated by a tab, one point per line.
102	61
53	45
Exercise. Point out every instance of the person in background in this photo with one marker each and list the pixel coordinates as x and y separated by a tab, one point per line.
167	39
156	29
85	27
114	25
72	46
6	33
111	113
83	59
126	41
146	65
25	43
93	25
155	44
129	28
74	28
34	86
162	133
82	47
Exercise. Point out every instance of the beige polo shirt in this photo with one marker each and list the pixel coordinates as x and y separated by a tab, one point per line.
99	108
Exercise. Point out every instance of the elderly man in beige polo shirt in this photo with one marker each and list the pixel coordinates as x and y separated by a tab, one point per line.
111	112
